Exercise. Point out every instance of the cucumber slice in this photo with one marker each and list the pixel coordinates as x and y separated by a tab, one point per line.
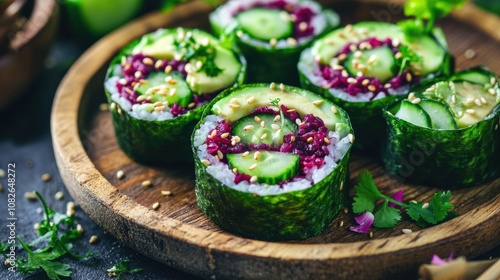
377	62
251	129
265	24
413	114
441	117
269	167
166	87
475	77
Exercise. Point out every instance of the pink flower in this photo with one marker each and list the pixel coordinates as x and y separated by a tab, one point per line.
397	196
439	261
364	221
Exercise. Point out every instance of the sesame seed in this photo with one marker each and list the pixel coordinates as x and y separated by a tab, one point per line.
158	103
205	162
120	174
492	91
290	110
141	98
292	41
256	155
264	136
147	61
263	124
372	88
248	127
453	99
298	121
353	48
93	239
159	108
432	88
398	55
387	86
30	195
341	35
124	60
470	54
413	201
355	63
406	231
146	184
253	179
483	100
342	57
253	166
425	206
251	100
277	118
496	127
70	205
478	102
359	74
122	81
137	74
158	64
469	100
310	140
191	105
168	69
411	96
282	87
352	80
220	154
341	224
245	154
303	26
351	137
372	59
416	100
235	170
334	109
326	140
257	119
224	135
345	74
273	42
371	234
70	212
365	46
166	193
292	138
119	110
409	77
358	54
318	102
239	33
272	86
234	106
79	228
128	90
492	81
212	134
46	177
275	126
59	195
470	111
156	205
341	185
346	210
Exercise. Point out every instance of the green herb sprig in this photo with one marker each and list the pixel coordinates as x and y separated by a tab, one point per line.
58	230
190	49
367	194
121	268
408	58
426	12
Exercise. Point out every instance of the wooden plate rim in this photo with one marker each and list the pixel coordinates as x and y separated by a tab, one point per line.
78	171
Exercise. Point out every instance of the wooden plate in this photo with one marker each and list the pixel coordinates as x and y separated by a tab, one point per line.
178	234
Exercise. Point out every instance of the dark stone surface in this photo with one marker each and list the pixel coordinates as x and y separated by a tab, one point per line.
25	140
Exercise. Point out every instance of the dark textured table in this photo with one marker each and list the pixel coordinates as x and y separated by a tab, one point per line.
26	141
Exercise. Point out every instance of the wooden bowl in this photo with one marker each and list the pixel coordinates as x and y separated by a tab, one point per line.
180	235
27	48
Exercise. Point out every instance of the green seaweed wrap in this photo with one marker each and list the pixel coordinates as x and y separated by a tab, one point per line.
158	86
271	34
367	66
446	134
271	162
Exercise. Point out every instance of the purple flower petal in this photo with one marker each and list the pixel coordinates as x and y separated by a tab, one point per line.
439	261
397	196
364	221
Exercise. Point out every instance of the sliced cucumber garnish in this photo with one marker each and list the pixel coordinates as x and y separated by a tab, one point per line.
441	117
413	114
166	87
265	24
378	62
269	167
263	129
473	77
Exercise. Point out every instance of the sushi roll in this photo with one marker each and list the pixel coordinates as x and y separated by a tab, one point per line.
446	134
366	66
271	34
271	162
158	86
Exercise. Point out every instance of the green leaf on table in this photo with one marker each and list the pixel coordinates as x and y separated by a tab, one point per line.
434	212
386	217
367	193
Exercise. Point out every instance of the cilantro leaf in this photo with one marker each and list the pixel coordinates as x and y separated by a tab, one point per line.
43	261
121	268
204	53
387	217
408	59
436	211
366	193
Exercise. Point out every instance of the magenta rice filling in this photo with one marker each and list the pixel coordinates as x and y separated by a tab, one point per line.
342	80
138	67
310	142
